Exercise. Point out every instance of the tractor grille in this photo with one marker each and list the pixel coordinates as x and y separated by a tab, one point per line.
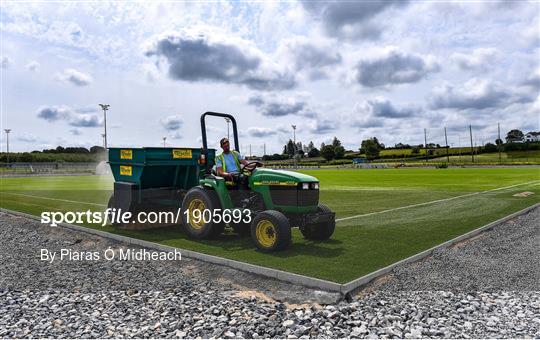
283	196
308	197
291	197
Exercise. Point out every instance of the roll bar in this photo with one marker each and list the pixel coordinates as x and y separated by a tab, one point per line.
203	132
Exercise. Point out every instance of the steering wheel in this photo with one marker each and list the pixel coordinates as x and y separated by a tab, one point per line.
250	166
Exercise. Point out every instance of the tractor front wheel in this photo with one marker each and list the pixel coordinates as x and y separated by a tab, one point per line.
271	231
319	231
199	204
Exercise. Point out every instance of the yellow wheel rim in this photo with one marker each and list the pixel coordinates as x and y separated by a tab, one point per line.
266	233
196	205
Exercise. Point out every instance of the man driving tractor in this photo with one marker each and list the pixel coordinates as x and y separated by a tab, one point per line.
229	161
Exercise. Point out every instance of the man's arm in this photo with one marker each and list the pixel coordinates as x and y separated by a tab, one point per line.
219	169
221	173
242	160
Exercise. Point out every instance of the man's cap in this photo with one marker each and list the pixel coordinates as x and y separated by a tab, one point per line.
223	140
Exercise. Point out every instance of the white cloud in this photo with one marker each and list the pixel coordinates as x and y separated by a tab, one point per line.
86	120
393	66
172	123
260	131
32	66
5	62
273	105
382	107
474	94
320	126
206	54
479	59
54	113
75	77
351	20
70	115
316	57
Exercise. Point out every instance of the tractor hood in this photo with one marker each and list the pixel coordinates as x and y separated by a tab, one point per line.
280	177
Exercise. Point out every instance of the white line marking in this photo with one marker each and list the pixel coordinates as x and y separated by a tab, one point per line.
55	199
432	202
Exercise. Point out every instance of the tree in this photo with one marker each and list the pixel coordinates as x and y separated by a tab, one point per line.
327	151
415	150
371	148
336	142
514	136
288	149
379	145
490	147
314	152
310	146
97	149
339	152
498	141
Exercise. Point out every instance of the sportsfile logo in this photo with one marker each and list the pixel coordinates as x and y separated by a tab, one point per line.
110	215
120	217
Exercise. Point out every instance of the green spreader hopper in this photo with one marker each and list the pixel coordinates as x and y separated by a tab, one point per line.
151	176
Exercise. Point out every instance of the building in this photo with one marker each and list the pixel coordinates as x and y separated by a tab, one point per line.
533	136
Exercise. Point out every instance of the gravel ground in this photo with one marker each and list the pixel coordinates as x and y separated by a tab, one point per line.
504	258
486	287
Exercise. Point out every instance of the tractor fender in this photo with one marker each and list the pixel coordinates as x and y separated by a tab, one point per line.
218	185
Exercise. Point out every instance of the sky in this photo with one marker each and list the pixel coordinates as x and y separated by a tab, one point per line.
354	70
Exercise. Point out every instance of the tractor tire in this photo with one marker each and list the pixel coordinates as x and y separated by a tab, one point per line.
201	199
110	205
271	231
319	231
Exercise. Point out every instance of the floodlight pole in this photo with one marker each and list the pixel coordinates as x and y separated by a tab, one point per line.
7	144
446	141
164	139
472	147
294	145
103	140
228	120
425	144
499	142
105	107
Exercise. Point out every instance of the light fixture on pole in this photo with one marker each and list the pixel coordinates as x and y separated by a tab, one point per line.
228	120
105	107
7	143
294	137
164	139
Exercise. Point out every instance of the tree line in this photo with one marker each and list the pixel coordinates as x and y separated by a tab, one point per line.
372	147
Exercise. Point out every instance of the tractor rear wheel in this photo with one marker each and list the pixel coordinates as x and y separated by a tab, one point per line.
111	206
319	231
198	224
271	231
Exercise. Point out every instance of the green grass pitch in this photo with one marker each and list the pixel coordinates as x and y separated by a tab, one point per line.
378	237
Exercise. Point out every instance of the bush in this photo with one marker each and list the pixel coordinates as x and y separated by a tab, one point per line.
327	152
489	147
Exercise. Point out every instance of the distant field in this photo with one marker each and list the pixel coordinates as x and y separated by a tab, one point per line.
400	219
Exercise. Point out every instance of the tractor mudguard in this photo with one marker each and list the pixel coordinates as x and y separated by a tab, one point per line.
219	186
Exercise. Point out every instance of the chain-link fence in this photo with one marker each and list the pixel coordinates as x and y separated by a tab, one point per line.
46	168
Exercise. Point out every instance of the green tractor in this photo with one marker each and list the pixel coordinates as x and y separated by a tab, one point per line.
260	202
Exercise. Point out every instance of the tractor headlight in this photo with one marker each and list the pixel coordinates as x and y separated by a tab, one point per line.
305	186
315	185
